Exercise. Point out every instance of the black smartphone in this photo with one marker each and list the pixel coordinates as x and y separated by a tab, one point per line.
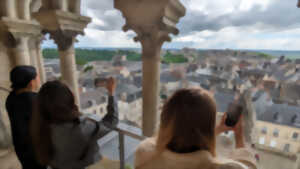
234	113
100	82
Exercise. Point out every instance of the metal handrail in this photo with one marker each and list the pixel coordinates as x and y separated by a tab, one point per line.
126	130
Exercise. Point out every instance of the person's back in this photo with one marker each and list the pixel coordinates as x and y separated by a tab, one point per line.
19	105
147	157
187	136
63	137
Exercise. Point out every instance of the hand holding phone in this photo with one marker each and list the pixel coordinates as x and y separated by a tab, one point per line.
100	82
234	113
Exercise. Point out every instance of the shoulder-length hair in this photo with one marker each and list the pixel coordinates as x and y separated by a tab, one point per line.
55	104
188	122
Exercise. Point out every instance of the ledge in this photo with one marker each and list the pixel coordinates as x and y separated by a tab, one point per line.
53	20
19	27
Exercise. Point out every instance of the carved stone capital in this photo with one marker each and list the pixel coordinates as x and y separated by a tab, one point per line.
154	17
13	30
63	39
152	20
63	26
53	20
152	44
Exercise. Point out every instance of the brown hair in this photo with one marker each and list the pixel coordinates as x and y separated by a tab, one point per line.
55	104
187	123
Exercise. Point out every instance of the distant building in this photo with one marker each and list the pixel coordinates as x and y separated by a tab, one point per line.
278	129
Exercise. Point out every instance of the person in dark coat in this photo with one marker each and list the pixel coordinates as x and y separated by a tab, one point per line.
19	104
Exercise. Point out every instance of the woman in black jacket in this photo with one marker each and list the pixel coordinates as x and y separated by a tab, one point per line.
25	81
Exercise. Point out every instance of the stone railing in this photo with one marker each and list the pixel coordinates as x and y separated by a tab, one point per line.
290	155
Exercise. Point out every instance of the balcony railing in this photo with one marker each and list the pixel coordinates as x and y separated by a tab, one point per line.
126	130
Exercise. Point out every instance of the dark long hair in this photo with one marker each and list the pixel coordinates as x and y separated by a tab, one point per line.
55	104
188	122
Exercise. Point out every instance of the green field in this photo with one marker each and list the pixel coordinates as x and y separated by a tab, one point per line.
84	56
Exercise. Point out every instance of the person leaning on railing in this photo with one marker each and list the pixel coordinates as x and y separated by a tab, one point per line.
187	137
62	136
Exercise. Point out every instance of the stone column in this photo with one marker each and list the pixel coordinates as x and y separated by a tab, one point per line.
60	5
21	52
36	56
66	51
10	8
33	53
151	84
75	6
63	27
40	61
24	9
153	21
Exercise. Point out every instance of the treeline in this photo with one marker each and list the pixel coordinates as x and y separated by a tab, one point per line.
84	56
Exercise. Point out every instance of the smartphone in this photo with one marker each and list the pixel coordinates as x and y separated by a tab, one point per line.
100	82
234	113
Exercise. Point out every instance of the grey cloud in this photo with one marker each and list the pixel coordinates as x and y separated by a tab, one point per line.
99	8
279	15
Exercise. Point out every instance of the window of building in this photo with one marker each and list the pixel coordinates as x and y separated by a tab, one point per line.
286	148
273	143
277	117
276	133
262	140
264	130
295	136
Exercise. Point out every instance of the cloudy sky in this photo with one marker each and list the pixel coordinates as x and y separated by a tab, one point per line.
214	24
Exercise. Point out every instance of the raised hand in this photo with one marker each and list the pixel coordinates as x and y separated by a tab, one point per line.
111	85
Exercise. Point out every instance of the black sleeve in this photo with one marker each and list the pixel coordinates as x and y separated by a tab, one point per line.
111	119
20	118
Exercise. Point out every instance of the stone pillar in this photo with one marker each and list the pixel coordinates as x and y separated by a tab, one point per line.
75	6
63	27
60	5
24	9
298	154
33	53
40	62
153	21
21	51
66	51
36	56
10	8
151	84
16	35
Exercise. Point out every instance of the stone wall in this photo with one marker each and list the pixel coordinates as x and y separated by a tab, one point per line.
5	67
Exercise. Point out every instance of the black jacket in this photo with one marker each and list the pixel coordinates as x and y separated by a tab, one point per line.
19	108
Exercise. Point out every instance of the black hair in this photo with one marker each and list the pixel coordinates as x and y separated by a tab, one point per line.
21	76
55	104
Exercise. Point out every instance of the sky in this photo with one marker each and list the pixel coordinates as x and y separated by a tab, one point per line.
208	24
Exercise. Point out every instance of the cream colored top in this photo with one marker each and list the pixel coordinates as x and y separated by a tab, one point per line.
146	158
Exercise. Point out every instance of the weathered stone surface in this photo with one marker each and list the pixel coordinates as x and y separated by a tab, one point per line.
9	160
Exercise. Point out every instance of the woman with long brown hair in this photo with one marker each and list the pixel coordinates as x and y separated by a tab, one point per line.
62	136
187	137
